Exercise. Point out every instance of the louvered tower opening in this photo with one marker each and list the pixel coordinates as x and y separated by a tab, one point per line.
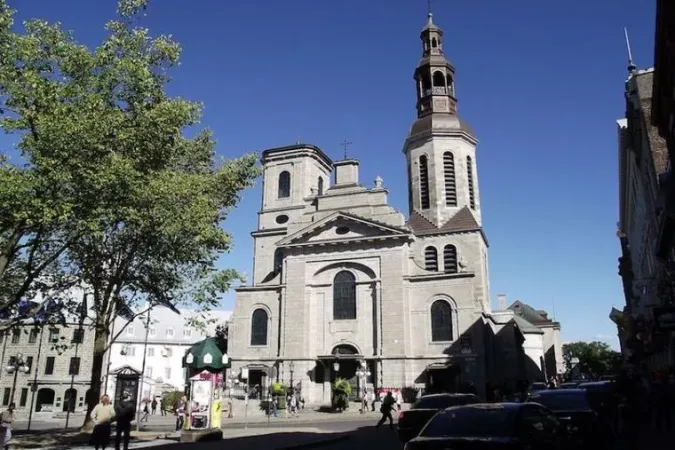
450	183
424	182
469	176
450	259
431	259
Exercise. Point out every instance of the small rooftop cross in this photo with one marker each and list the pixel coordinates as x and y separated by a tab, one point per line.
345	144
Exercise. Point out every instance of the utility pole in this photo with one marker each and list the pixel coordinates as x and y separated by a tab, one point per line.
33	387
140	388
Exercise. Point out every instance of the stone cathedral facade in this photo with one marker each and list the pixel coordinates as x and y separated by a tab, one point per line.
344	285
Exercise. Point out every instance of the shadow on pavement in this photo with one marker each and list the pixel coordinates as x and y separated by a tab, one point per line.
364	437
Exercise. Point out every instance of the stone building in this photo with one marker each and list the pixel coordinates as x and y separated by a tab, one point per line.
344	285
663	117
643	161
168	338
59	359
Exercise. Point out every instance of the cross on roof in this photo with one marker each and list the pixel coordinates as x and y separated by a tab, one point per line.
345	144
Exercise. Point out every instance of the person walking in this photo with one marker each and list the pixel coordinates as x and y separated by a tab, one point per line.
124	414
162	408
154	406
103	414
181	412
387	406
7	419
146	412
293	405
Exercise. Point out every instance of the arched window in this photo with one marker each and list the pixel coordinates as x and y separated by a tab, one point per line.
344	296
439	79
451	85
259	327
320	186
441	321
434	43
424	182
431	259
450	183
285	184
450	259
469	177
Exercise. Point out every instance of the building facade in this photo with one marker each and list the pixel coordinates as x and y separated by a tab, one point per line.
663	117
346	286
643	162
59	360
169	336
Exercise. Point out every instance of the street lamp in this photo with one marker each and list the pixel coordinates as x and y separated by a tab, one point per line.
16	365
363	373
336	366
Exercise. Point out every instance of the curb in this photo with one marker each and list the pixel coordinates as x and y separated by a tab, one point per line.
315	443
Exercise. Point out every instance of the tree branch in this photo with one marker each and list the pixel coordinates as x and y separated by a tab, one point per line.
136	315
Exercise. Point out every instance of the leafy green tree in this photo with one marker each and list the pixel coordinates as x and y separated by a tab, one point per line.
596	359
145	203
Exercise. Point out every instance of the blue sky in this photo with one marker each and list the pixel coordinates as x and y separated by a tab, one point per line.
541	82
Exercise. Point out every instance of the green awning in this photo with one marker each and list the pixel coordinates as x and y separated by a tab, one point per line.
206	355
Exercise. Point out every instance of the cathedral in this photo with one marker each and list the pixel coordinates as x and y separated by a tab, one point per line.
345	286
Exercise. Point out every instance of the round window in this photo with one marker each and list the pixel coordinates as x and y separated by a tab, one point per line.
282	219
341	230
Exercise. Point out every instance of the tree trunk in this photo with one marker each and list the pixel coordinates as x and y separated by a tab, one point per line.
92	397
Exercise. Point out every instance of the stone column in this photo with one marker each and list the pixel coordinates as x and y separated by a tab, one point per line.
378	318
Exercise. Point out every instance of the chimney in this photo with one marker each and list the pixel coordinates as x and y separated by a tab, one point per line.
346	172
501	302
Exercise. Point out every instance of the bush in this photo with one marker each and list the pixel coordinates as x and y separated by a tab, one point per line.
279	391
172	400
340	396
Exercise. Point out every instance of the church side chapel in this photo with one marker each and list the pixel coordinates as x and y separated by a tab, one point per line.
345	286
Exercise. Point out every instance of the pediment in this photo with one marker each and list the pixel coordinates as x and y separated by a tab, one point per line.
341	228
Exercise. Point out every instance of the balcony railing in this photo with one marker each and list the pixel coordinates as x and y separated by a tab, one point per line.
436	90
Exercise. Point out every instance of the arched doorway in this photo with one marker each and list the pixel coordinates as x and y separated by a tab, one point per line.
69	400
45	400
347	362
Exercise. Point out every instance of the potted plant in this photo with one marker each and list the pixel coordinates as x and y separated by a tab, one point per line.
340	397
279	392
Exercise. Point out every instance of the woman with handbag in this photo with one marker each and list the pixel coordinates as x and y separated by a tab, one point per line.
103	414
7	418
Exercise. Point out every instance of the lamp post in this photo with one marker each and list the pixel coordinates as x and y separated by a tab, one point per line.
336	368
291	368
16	365
363	373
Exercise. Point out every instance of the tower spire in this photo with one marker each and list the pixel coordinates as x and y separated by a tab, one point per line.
631	67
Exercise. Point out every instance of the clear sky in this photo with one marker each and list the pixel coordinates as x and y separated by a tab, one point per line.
541	83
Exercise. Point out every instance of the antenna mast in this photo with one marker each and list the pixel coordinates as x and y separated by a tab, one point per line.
631	66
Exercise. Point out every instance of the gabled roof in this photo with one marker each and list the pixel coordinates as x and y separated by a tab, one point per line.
462	221
385	230
525	326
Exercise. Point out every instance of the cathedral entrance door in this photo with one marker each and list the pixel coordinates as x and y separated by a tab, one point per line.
347	362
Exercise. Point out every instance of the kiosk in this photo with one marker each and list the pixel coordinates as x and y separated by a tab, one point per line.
205	364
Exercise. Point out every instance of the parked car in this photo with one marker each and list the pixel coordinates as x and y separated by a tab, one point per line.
536	387
573	409
513	426
411	422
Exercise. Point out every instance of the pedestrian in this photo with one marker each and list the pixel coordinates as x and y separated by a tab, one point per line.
146	412
371	400
124	414
386	408
7	419
364	403
399	399
162	409
154	406
293	404
102	415
181	412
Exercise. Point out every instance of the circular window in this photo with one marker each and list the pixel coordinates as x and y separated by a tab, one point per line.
282	219
341	230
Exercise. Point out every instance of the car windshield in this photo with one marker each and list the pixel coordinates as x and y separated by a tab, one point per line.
563	401
480	421
443	401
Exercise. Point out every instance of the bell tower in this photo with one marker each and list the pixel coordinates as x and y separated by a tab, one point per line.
440	148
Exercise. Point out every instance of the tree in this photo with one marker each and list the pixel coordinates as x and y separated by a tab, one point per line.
146	203
596	359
